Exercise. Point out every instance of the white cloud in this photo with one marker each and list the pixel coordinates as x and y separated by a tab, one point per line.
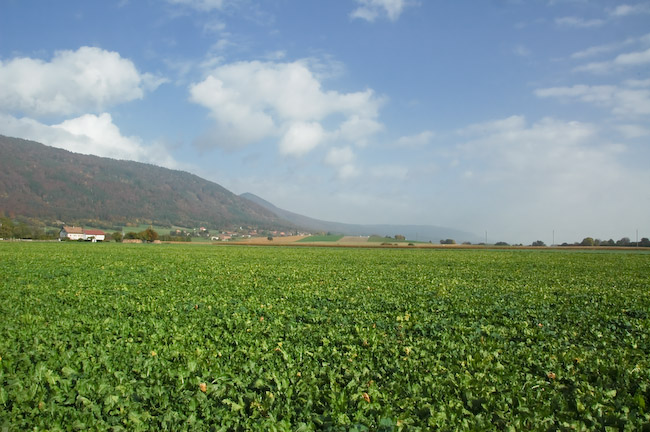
215	26
358	130
496	126
339	156
597	50
342	158
620	62
202	5
420	140
578	22
636	9
605	48
252	101
511	147
73	82
348	171
512	142
301	138
633	131
637	83
546	175
88	134
633	59
631	99
370	10
239	122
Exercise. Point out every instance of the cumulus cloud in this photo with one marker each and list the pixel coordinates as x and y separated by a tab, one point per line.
239	121
73	82
630	99
301	138
370	10
253	101
339	156
342	158
358	129
87	134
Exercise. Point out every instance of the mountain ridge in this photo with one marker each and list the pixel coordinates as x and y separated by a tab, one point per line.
44	182
412	232
48	183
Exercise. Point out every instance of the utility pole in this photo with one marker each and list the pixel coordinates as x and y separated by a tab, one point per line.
553	244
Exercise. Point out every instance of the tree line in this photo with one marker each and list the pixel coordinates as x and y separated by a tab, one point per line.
25	229
625	242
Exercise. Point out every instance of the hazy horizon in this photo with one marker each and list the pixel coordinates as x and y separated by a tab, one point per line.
528	120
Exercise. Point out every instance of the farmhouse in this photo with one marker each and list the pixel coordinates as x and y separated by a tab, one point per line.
71	233
78	233
94	235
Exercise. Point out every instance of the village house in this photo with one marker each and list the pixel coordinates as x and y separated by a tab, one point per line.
78	233
71	233
94	235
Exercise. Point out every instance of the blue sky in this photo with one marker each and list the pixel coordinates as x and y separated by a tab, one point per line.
519	118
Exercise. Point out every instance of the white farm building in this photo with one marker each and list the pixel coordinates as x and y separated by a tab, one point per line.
78	233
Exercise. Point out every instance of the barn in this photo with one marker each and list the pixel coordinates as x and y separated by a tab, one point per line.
78	233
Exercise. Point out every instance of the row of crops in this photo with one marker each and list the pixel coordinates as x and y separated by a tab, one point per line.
180	337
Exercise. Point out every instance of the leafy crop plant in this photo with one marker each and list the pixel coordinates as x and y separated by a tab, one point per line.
178	337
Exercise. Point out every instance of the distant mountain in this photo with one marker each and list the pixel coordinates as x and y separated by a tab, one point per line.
411	232
49	183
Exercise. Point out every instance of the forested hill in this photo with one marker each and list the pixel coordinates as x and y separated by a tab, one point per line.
49	183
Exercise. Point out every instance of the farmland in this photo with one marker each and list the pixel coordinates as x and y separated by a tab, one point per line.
180	337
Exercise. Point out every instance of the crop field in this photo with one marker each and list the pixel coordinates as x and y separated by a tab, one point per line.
321	238
181	337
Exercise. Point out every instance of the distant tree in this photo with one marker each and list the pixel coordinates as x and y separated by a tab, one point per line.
53	234
538	243
625	241
270	238
400	237
149	235
23	231
645	242
131	236
597	242
501	243
117	236
6	228
448	241
587	241
609	242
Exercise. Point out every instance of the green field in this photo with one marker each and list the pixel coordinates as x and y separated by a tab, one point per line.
379	239
321	238
181	337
